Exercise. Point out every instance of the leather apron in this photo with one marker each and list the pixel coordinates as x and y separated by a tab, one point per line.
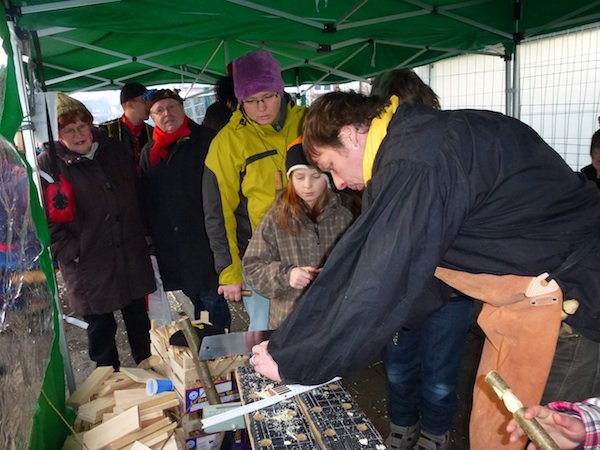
521	320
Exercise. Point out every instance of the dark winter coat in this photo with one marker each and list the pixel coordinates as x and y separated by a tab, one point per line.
474	191
116	129
591	174
102	254
172	192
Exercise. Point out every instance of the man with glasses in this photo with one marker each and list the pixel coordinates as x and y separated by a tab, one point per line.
130	128
172	165
245	170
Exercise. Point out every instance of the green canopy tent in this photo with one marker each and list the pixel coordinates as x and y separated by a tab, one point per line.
101	44
76	45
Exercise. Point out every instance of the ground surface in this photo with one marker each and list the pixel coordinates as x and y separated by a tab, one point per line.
367	387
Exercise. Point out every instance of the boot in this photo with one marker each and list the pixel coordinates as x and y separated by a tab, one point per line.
429	441
403	438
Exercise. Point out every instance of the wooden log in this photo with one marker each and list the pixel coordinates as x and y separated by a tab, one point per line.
90	386
113	429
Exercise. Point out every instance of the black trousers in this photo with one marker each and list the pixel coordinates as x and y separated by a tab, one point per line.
102	329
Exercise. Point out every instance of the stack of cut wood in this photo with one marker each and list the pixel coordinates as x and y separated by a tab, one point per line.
115	412
176	363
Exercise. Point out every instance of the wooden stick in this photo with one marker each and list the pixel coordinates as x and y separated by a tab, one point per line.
531	427
201	366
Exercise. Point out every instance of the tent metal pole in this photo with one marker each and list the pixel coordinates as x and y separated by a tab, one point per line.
508	87
516	91
31	158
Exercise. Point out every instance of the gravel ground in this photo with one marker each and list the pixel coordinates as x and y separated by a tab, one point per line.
367	387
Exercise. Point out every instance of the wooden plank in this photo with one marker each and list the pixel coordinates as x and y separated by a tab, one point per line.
92	412
115	428
146	401
138	375
137	445
171	444
154	438
90	386
132	437
117	381
126	398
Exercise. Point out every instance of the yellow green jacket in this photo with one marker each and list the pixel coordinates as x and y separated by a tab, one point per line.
239	185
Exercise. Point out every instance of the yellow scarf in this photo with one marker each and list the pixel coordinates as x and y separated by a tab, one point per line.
377	132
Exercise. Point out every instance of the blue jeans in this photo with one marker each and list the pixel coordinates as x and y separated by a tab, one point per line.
422	369
216	305
258	308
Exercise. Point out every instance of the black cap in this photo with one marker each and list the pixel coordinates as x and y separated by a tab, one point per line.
132	90
154	95
295	158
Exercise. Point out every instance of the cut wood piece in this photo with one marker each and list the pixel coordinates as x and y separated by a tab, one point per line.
90	386
136	435
117	381
144	402
138	375
126	398
171	444
137	445
113	429
156	437
92	412
151	415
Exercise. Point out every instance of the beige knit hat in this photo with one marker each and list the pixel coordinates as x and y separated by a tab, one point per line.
66	104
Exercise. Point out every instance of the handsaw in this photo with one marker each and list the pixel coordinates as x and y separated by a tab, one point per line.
231	344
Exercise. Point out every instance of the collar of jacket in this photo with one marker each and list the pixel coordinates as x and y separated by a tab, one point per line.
377	132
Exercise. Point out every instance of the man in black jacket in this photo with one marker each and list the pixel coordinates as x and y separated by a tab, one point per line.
474	198
172	165
130	128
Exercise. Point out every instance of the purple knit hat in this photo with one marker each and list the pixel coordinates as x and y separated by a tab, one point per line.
256	72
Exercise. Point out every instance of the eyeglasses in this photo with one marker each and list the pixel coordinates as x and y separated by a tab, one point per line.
160	111
267	99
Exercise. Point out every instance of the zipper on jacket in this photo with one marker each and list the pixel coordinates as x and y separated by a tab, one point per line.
317	234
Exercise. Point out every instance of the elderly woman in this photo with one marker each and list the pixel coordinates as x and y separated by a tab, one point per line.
464	196
172	165
101	252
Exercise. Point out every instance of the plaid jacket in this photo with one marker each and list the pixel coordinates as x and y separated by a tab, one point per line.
589	412
272	253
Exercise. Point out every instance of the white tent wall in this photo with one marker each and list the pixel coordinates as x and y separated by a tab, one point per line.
559	88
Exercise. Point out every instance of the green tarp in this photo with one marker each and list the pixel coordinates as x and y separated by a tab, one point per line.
152	41
48	429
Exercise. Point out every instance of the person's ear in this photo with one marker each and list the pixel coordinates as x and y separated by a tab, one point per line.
348	136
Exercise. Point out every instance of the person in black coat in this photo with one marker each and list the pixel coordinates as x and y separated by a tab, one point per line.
172	164
592	172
